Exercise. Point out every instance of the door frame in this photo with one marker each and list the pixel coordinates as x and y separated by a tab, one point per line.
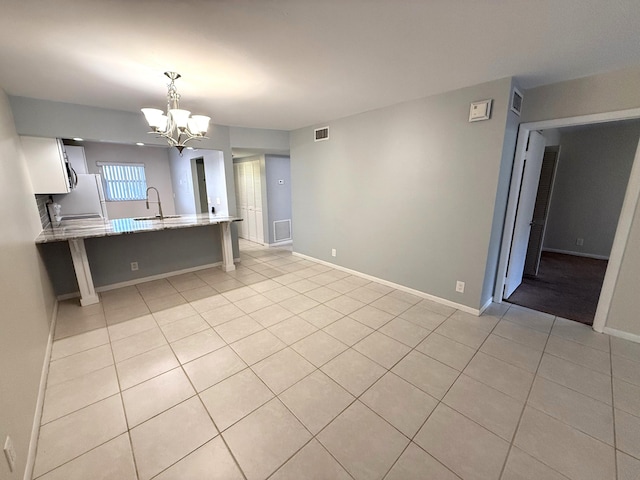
631	198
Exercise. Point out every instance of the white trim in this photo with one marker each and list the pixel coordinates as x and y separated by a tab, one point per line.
418	293
624	222
280	244
486	305
37	417
576	254
632	337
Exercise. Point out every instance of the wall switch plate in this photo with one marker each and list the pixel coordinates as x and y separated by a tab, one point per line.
459	286
333	252
580	241
480	110
134	266
10	453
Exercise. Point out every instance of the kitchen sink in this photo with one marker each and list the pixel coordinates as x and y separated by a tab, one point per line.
157	217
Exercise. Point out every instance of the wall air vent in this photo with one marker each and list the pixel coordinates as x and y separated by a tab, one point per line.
281	230
516	101
320	134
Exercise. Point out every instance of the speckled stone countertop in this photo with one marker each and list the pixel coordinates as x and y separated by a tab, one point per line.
88	228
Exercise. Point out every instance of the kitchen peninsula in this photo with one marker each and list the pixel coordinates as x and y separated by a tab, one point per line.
158	246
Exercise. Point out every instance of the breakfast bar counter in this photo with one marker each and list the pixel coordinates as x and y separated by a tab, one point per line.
76	231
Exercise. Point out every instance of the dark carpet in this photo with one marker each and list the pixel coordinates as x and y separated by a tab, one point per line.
566	286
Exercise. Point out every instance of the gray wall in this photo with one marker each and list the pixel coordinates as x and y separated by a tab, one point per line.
591	180
407	193
600	93
26	298
276	141
278	196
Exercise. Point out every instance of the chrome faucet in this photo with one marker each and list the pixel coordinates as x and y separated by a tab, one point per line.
158	202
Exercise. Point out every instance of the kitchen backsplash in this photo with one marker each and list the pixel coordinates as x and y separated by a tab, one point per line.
41	201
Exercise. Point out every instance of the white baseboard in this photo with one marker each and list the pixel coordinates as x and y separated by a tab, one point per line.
418	293
576	254
620	334
280	244
486	305
37	417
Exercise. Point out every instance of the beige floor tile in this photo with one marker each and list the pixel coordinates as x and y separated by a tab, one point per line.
282	369
258	346
143	367
382	349
298	304
312	462
628	467
322	294
174	313
427	374
316	400
190	428
271	315
239	294
465	447
521	466
198	293
227	285
563	448
574	352
238	328
154	396
497	309
364	294
210	303
198	465
235	398
511	352
348	331
126	313
399	403
79	343
392	305
66	327
447	351
131	327
529	318
462	333
319	348
405	296
517	333
345	304
79	364
72	309
424	317
353	371
197	345
303	286
214	367
625	348
266	439
292	329
371	317
437	307
280	294
222	314
626	396
580	333
483	322
159	304
82	430
625	369
186	281
576	377
138	343
502	376
416	464
575	409
183	328
628	433
359	433
252	304
342	286
404	331
111	460
72	395
321	316
156	288
265	285
286	279
486	406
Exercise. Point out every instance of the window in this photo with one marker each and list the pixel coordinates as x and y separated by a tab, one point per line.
124	181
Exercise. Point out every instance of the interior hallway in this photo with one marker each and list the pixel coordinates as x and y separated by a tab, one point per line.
288	369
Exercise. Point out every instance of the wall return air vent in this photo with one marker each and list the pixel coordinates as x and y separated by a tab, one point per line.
320	134
516	101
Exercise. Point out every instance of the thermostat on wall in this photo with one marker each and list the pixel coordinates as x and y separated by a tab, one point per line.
480	110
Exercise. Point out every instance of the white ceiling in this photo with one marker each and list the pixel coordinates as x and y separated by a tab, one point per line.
286	64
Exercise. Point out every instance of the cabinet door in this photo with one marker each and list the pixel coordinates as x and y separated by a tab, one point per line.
46	165
76	158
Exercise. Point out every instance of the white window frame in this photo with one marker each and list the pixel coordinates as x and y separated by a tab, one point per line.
123	182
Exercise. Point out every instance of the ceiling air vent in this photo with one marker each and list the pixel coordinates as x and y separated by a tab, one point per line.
320	134
516	101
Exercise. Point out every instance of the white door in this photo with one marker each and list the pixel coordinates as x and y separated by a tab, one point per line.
257	191
524	215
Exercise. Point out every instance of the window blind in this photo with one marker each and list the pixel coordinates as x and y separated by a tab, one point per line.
124	181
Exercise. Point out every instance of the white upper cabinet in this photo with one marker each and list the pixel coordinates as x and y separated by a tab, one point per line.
46	163
76	158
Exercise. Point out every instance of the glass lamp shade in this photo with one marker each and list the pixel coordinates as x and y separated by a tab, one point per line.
180	117
199	124
154	118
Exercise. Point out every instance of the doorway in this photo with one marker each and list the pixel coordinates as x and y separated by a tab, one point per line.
514	245
200	185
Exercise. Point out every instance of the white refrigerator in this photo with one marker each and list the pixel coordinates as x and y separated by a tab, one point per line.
84	201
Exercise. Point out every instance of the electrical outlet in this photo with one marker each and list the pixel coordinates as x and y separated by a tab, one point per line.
580	242
134	266
10	453
459	286
333	252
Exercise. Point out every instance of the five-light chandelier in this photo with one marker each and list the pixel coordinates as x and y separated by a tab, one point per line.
177	126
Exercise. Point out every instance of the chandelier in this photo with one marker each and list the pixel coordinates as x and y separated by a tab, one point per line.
177	126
